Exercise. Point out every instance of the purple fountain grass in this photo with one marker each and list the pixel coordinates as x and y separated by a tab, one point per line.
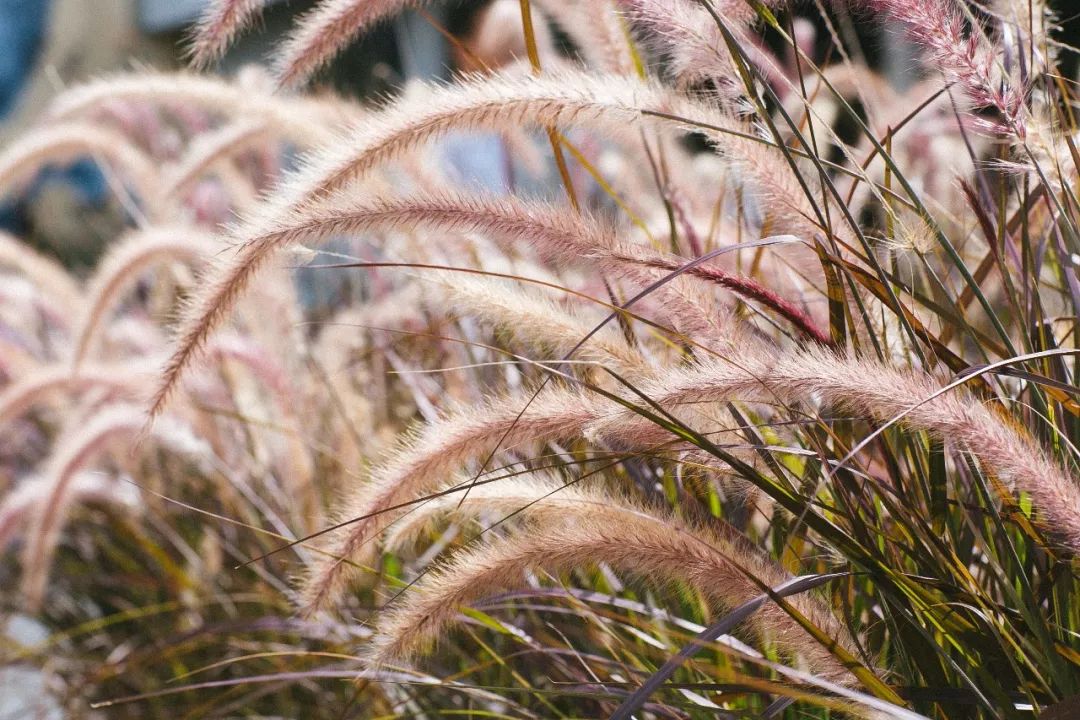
569	528
327	30
421	463
219	24
86	487
884	393
462	347
598	33
536	321
209	149
123	380
62	143
688	36
750	289
125	263
617	106
296	117
554	234
966	58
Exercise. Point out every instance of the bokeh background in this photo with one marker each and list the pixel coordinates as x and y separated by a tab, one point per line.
46	45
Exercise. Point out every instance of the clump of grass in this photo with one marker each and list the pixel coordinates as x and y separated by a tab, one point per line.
781	423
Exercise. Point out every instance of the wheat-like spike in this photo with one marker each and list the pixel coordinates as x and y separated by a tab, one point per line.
597	31
557	236
211	148
45	273
882	393
535	498
130	379
524	498
554	233
74	451
539	322
65	142
219	24
325	31
123	266
421	464
616	105
688	35
571	528
510	502
966	58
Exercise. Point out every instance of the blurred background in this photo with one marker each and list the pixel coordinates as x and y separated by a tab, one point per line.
46	45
